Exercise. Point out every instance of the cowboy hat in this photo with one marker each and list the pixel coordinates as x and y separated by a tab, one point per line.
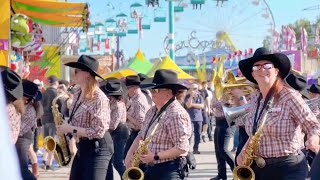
166	79
315	88
86	63
114	87
279	60
12	83
299	83
133	80
31	90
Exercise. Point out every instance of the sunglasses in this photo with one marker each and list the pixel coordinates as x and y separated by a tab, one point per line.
154	90
264	66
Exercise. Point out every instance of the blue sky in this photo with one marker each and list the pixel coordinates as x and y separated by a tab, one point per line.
240	18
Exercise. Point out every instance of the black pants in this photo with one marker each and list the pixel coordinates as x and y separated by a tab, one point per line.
209	131
243	137
92	159
197	128
132	137
315	168
293	167
170	170
35	140
222	137
22	146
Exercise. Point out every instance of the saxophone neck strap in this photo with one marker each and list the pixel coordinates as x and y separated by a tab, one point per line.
266	106
157	116
75	108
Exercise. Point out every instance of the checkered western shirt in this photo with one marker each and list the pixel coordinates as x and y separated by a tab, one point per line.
118	112
14	122
216	105
288	117
174	130
93	114
28	119
137	109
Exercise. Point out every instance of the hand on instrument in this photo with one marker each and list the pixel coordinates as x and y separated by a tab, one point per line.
313	143
240	158
147	158
64	128
128	161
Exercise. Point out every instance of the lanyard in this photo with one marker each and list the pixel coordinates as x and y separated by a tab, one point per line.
157	115
75	108
258	114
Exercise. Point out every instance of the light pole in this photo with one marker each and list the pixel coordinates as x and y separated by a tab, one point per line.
171	30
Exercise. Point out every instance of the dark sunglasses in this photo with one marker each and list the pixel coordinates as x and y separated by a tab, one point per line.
264	66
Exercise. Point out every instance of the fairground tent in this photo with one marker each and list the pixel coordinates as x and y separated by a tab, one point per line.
138	65
167	63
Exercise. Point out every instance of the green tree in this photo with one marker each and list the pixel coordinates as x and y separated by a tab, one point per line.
301	23
267	42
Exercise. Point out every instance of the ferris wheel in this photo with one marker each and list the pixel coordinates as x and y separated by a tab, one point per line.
226	24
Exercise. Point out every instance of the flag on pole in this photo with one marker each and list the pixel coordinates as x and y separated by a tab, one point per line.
107	43
276	40
140	28
199	73
284	35
304	39
204	68
221	66
293	42
98	44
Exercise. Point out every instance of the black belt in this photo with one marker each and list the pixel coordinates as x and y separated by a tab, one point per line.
279	159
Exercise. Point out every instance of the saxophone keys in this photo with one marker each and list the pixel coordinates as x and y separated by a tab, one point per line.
261	163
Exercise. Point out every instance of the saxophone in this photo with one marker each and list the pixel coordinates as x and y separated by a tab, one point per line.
61	150
134	172
245	172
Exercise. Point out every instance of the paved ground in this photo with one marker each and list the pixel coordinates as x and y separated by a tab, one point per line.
206	167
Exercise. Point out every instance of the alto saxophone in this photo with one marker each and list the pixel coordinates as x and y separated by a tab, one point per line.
245	172
60	149
134	172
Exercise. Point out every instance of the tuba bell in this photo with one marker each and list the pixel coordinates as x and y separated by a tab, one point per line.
232	113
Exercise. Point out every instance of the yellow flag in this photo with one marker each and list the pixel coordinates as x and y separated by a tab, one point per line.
199	73
221	66
204	68
216	60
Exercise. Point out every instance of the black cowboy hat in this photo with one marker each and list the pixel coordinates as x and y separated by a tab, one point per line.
133	80
299	83
314	88
12	83
279	60
86	63
31	90
142	77
164	78
114	87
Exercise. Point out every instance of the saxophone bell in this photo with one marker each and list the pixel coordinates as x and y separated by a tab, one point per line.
133	173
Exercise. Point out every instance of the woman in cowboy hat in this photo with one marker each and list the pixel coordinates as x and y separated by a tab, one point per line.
288	117
170	143
31	97
90	119
15	107
116	91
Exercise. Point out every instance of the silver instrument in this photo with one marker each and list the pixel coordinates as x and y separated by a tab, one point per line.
231	113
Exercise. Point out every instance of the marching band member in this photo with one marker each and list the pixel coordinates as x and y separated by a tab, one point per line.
90	119
279	147
31	97
15	107
314	92
115	91
137	107
170	143
222	137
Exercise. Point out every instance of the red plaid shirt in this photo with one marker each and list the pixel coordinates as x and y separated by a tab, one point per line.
118	112
14	122
93	115
288	117
174	130
216	105
137	109
28	119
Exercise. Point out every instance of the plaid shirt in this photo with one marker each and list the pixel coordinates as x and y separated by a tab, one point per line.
315	109
28	119
216	105
14	122
137	109
93	115
288	117
118	112
174	130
